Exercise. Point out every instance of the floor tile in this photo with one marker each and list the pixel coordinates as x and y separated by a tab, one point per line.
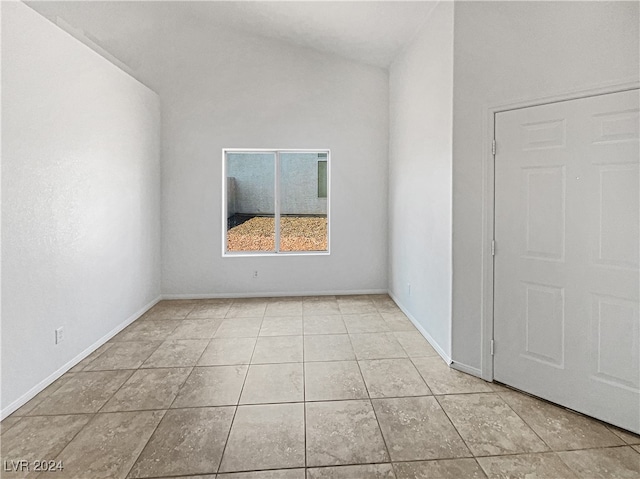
489	426
360	305
365	323
273	383
441	469
206	476
259	360
278	349
618	462
442	379
376	346
333	380
247	309
124	355
147	331
195	329
414	344
239	328
560	428
328	347
212	386
108	446
227	351
319	306
368	471
343	432
177	353
8	422
416	428
39	438
392	378
89	359
397	321
273	474
626	436
281	326
209	310
187	441
352	297
42	395
384	304
498	387
148	389
324	324
265	437
524	466
284	307
85	392
168	310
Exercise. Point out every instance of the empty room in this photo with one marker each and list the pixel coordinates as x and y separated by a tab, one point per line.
320	239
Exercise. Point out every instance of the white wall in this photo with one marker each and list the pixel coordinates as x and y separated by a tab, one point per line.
511	51
80	200
232	90
421	88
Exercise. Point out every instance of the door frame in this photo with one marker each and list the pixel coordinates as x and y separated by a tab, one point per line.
488	200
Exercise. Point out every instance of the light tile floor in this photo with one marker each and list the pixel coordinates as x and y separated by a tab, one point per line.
295	388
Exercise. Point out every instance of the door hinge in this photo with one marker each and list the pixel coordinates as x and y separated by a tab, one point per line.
493	147
492	346
493	247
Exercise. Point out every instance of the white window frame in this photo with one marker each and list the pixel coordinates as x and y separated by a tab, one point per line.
276	252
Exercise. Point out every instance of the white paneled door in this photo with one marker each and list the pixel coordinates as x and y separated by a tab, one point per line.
566	316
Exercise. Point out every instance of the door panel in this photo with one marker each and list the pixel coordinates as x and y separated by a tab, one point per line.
567	231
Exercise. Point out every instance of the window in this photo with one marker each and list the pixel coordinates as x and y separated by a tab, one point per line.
275	201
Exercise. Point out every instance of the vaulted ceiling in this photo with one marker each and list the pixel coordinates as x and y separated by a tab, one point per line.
371	32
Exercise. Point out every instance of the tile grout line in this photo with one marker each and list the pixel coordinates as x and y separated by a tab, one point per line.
286	402
85	370
422	375
235	411
384	441
180	388
133	371
57	458
524	422
38	402
304	401
511	389
454	426
268	364
164	412
146	444
2	428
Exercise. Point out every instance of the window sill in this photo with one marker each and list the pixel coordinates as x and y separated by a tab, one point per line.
263	254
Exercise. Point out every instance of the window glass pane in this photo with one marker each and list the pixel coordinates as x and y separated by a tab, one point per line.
250	201
322	179
303	213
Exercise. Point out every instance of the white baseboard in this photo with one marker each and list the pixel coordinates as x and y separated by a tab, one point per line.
31	393
467	369
274	294
423	331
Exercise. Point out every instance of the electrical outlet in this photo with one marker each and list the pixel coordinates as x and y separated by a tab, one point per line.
59	335
255	274
409	289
